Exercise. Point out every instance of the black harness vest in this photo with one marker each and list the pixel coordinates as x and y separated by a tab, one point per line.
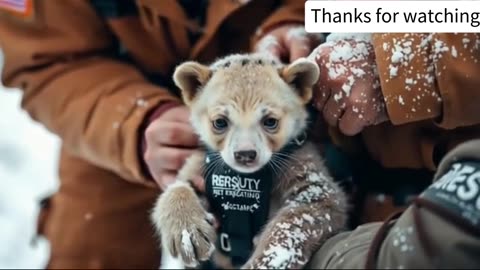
242	202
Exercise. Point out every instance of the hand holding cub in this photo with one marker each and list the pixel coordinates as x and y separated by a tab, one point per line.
348	91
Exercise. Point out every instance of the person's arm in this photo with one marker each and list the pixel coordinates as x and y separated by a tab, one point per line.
440	228
94	103
430	76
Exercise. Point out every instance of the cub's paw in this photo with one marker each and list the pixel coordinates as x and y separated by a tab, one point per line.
185	227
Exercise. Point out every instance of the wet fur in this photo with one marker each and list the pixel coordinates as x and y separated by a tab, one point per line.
307	206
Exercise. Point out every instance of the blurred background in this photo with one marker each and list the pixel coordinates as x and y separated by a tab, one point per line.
28	173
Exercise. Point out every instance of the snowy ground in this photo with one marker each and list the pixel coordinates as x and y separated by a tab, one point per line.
28	155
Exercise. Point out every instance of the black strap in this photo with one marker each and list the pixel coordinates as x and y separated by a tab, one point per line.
239	237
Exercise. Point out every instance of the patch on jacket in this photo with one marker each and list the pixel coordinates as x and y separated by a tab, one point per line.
458	191
23	9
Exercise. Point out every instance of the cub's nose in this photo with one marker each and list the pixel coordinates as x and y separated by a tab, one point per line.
245	157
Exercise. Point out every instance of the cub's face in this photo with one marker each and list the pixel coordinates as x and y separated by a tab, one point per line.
247	107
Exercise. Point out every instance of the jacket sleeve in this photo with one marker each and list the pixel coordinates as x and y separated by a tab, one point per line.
94	103
430	76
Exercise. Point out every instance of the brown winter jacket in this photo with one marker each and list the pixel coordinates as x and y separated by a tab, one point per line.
431	84
91	75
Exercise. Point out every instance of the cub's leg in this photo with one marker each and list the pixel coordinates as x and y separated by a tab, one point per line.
185	227
314	209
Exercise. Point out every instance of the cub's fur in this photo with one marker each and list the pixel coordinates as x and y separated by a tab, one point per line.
247	108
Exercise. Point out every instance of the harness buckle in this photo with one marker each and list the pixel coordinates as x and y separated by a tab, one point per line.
225	242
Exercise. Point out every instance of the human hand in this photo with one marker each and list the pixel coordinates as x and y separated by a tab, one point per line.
288	42
348	90
170	141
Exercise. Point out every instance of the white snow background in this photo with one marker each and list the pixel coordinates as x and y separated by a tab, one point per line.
28	172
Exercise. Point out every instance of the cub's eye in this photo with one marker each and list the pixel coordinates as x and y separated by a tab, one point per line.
270	123
220	124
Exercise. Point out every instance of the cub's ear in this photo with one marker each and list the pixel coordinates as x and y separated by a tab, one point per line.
302	74
190	77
